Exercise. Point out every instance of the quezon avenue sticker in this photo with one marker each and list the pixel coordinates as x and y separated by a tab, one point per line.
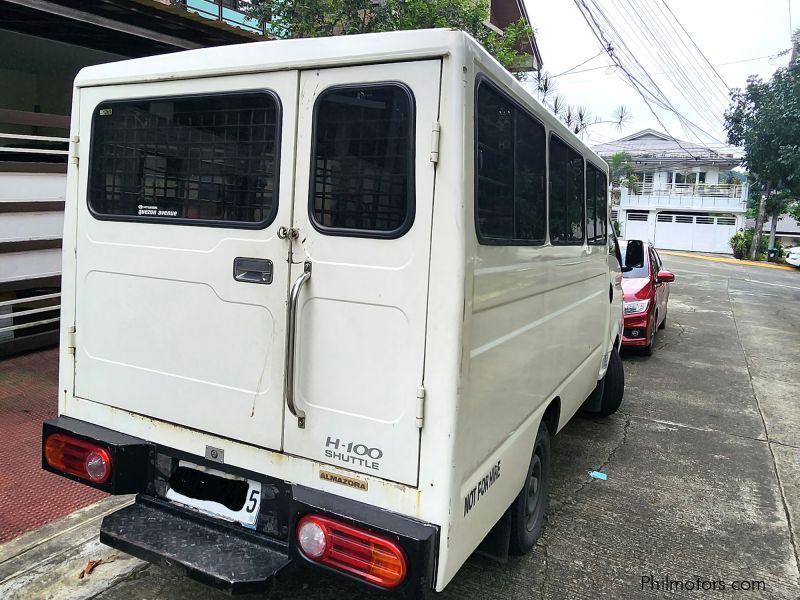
353	482
480	489
154	211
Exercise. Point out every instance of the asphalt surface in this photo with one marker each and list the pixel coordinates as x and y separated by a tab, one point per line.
703	465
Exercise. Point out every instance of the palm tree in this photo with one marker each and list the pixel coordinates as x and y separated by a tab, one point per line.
620	166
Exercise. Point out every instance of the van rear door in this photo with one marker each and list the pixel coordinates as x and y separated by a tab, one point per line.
181	276
363	207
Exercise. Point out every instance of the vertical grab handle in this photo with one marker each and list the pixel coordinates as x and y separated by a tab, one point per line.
291	331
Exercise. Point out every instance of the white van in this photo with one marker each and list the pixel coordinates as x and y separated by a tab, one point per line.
326	301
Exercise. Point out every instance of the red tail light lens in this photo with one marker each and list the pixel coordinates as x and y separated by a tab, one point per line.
360	553
78	457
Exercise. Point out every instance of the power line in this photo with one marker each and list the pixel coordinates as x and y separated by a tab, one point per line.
689	88
565	73
696	93
591	20
691	39
578	65
725	64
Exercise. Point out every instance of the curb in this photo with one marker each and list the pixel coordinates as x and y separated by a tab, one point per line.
724	259
45	563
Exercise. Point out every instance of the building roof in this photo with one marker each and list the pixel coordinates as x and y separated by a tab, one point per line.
650	145
503	13
124	27
787	225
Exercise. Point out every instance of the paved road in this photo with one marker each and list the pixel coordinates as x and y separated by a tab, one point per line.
703	465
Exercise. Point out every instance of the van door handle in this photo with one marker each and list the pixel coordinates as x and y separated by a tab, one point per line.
252	270
291	334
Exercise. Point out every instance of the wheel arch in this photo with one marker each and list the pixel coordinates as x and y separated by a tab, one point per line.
552	415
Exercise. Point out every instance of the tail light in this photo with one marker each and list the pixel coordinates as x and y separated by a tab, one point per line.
78	457
358	552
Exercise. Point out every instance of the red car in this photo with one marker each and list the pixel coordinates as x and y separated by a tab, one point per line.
645	289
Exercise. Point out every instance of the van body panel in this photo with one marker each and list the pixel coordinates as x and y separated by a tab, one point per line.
361	319
535	329
169	333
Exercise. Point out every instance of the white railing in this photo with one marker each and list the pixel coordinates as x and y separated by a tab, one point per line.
46	307
686	196
713	190
33	166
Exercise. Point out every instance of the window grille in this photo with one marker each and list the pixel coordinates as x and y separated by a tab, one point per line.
201	160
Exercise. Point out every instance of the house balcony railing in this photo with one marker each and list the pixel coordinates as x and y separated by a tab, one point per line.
33	175
231	12
700	196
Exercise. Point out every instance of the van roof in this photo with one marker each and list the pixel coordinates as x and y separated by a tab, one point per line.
277	55
313	53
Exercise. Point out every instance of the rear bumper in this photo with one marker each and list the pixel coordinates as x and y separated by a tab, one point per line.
223	554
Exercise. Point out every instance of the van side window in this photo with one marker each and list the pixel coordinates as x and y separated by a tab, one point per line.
596	206
362	181
567	206
510	199
191	160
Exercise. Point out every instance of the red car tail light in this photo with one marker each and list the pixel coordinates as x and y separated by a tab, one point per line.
78	457
360	553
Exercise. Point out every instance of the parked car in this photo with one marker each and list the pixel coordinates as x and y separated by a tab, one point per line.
645	288
793	256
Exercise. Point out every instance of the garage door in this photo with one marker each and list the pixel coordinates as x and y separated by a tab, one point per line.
700	233
636	226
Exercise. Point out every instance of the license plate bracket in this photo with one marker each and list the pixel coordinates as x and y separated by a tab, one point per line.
216	493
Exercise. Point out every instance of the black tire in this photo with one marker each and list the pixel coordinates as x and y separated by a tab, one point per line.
529	508
613	386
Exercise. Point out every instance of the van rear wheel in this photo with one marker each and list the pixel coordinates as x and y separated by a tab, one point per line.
613	386
530	506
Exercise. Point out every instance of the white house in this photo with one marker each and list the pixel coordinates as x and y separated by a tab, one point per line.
685	198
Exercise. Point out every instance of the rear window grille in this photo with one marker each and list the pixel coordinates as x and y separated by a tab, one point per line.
665	218
704	220
363	159
637	216
726	221
194	159
683	219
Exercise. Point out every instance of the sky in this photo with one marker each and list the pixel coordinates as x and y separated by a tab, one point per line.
748	33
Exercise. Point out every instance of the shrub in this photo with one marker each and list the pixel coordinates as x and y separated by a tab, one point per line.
742	241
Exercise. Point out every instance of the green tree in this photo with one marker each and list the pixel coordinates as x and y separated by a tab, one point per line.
286	19
764	118
620	166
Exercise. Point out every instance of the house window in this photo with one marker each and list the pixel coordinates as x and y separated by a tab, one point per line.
510	202
363	161
689	178
191	160
567	205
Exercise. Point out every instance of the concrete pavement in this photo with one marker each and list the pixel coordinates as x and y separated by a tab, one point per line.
703	465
